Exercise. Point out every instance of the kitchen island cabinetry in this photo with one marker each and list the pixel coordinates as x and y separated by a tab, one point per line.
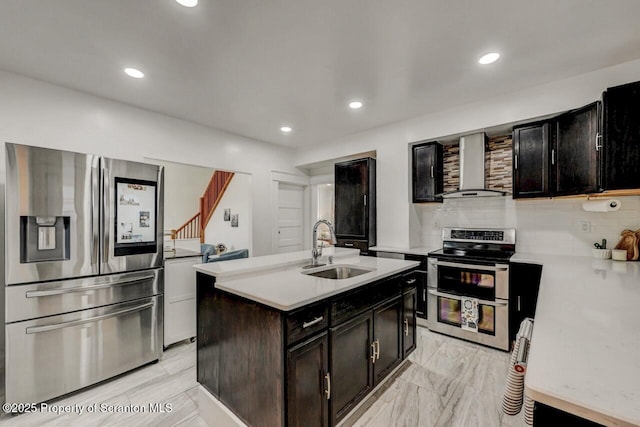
351	351
409	317
308	366
307	372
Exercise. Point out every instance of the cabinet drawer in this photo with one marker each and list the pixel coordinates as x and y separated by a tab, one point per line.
303	323
363	245
355	303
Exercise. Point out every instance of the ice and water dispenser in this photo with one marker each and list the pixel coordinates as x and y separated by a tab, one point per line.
44	238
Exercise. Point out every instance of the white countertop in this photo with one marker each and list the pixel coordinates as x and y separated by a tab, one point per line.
284	287
243	266
412	251
585	349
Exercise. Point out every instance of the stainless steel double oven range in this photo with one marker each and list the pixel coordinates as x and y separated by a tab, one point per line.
84	273
473	264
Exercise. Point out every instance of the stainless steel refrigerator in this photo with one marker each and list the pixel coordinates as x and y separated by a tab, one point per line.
84	275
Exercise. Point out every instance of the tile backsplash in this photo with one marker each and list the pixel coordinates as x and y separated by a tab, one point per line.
551	226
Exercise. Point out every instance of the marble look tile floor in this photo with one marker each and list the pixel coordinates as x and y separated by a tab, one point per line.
172	380
447	382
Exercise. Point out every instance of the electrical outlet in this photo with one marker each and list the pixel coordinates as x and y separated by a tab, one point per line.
585	226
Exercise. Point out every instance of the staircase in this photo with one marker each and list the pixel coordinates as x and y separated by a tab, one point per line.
195	226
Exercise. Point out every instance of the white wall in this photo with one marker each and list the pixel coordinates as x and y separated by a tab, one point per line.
237	197
550	226
183	187
37	113
398	219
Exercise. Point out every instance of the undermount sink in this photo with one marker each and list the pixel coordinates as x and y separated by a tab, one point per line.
338	272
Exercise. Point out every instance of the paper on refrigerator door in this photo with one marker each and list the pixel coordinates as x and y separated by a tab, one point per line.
469	314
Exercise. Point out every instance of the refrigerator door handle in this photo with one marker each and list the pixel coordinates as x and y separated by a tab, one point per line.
54	326
95	214
37	294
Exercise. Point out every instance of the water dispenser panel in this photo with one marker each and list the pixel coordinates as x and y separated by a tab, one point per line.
44	238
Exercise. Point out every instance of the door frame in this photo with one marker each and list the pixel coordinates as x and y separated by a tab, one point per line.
291	179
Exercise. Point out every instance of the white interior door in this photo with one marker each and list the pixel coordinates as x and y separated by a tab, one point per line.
290	218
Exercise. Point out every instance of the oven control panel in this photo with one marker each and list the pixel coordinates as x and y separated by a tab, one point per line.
479	235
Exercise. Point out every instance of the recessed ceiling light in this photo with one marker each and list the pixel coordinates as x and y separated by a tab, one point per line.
134	72
285	129
355	105
489	58
188	3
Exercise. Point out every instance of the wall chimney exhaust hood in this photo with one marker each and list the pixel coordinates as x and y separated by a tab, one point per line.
472	169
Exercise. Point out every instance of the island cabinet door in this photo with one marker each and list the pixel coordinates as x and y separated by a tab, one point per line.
351	355
409	322
387	338
308	383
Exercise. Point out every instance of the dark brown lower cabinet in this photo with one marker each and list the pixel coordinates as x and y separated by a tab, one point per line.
409	321
351	367
306	367
308	383
387	338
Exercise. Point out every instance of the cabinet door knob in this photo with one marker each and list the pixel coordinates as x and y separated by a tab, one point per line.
377	342
598	139
553	157
515	162
406	327
373	352
411	281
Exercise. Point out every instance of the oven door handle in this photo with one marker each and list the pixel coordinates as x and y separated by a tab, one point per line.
498	267
496	303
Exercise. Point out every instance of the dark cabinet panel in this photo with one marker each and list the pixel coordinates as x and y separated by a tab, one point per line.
308	383
544	416
387	338
208	343
427	172
409	322
524	283
621	144
351	368
355	202
531	160
420	282
574	157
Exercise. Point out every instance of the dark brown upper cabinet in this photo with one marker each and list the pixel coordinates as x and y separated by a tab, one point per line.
355	203
531	160
559	156
574	152
621	143
427	172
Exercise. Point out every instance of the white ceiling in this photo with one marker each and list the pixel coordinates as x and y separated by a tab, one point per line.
250	66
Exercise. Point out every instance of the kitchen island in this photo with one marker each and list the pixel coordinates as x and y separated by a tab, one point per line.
282	345
586	339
